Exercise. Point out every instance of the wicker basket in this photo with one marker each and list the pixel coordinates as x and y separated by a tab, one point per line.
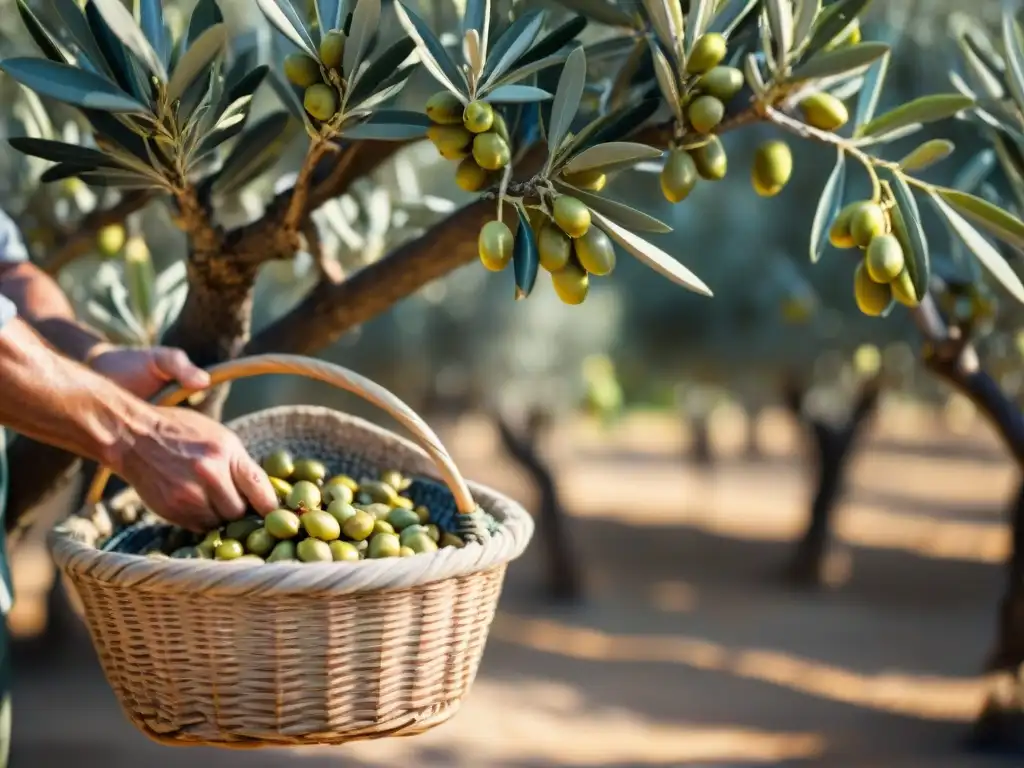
207	653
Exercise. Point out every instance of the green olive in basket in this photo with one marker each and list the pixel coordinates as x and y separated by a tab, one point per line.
378	491
382	526
402	518
395	479
343	551
281	487
239	530
420	542
185	553
451	540
279	464
333	492
314	551
359	526
304	496
229	549
260	542
344	480
412	530
406	552
423	513
310	470
283	551
321	525
205	550
282	524
404	503
362	546
384	545
433	532
340	511
379	511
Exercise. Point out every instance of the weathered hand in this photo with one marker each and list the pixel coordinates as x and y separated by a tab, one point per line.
144	372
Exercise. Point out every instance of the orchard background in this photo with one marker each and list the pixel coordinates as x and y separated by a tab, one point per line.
644	423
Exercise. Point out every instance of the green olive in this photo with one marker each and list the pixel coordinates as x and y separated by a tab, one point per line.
332	49
571	216
433	532
404	502
321	525
773	165
678	176
340	510
301	70
490	151
378	491
452	141
824	111
314	551
592	180
281	487
420	543
310	470
344	480
279	464
572	283
260	542
866	222
478	117
283	551
402	518
553	247
704	113
363	545
839	232
721	82
451	540
495	245
384	545
382	526
282	524
333	492
444	108
395	479
412	530
343	551
359	526
205	550
470	177
406	552
872	298
707	53
903	289
321	101
304	495
884	258
595	252
379	510
423	514
240	529
711	160
229	549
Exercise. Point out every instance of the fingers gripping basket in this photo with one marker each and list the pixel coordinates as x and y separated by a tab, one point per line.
203	652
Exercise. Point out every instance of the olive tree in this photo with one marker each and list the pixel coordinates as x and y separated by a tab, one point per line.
516	113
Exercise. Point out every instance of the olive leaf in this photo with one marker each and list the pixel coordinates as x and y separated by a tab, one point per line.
907	227
389	125
196	60
205	14
666	80
884	138
64	171
123	63
329	13
71	85
984	79
282	14
730	15
992	218
871	90
604	12
840	61
514	43
806	14
925	109
40	34
525	258
478	17
701	13
832	22
927	154
383	67
615	125
365	20
550	44
77	28
521	73
618	154
286	93
257	148
829	205
517	94
151	20
618	212
567	99
59	152
122	24
652	256
984	251
432	53
1014	56
780	24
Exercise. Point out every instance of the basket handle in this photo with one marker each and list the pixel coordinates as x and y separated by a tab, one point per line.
341	378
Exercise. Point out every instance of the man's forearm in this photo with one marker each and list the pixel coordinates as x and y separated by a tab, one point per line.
42	304
54	400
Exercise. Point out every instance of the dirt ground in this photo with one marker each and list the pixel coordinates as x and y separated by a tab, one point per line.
689	650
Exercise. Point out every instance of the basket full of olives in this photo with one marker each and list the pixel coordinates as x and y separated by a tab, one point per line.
358	609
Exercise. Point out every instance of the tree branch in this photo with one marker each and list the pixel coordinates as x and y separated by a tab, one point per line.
83	238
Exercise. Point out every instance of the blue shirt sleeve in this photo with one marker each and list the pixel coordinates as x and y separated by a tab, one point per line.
12	249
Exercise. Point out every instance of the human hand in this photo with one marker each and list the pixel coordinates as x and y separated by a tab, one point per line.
144	372
193	471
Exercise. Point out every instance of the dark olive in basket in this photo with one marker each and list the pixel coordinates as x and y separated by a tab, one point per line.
406	552
321	525
333	492
340	511
433	532
344	551
283	551
281	487
304	496
260	542
310	470
384	545
420	542
359	526
279	464
402	518
423	513
451	540
344	480
239	530
229	549
282	524
382	526
314	551
185	553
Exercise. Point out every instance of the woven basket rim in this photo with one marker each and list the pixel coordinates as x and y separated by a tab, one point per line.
76	555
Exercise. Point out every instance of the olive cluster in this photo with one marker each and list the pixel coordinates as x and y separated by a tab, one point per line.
569	247
322	520
881	275
475	135
321	98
